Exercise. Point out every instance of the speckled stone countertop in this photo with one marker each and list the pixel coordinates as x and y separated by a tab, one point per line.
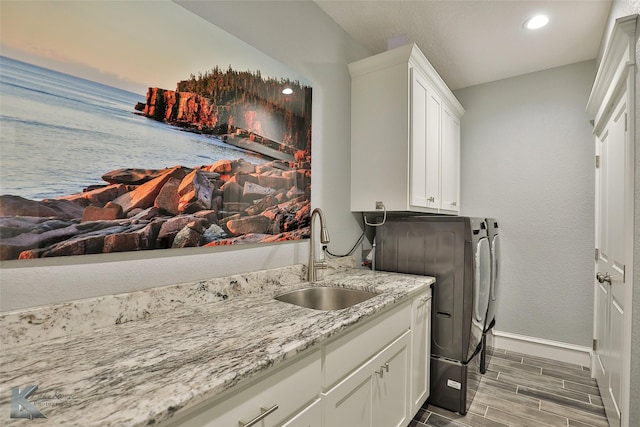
136	359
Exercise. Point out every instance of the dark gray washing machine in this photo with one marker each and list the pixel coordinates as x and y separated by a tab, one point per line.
455	250
490	320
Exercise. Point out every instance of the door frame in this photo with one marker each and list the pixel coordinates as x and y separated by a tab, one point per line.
609	341
617	72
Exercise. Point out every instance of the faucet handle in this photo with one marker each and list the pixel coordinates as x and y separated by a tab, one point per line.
321	264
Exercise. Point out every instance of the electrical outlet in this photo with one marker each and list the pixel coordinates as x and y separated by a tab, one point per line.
379	206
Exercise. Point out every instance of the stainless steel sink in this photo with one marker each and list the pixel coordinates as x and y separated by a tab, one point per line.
325	297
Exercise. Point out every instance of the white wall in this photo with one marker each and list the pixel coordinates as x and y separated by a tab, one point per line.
303	37
528	160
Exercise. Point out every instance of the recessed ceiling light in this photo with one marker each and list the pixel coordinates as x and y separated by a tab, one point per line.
536	22
287	91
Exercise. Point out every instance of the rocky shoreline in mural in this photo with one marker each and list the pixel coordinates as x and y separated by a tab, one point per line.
225	203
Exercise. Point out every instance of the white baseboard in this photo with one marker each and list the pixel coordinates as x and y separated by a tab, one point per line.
555	350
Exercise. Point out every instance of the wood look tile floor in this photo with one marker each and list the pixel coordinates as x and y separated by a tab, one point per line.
521	390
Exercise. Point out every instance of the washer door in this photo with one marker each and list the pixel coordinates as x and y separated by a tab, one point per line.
482	281
495	266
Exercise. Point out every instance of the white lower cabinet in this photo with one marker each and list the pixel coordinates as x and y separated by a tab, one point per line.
374	375
391	385
420	350
349	403
375	394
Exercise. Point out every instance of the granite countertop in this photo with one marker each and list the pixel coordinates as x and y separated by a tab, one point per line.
175	352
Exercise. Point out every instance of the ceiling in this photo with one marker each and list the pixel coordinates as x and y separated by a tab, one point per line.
470	42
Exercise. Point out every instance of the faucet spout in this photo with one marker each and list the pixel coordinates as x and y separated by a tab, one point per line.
324	239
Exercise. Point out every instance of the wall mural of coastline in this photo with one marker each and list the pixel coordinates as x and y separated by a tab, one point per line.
220	158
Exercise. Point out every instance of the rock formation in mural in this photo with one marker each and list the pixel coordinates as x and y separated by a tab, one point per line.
228	202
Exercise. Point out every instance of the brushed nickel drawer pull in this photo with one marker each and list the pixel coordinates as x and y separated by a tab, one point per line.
256	420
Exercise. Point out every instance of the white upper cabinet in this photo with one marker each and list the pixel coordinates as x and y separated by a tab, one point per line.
450	161
405	135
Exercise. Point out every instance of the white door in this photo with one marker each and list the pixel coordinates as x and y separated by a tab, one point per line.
610	303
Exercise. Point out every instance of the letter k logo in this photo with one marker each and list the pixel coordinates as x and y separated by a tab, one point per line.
21	407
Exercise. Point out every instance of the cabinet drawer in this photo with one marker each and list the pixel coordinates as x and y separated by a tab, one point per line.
349	351
290	388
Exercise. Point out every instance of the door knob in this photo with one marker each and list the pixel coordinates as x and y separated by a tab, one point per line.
603	277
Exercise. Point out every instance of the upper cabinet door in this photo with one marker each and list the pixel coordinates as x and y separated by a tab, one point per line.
426	107
434	128
450	166
418	157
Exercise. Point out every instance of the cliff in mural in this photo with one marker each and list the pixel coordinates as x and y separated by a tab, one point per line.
228	202
241	108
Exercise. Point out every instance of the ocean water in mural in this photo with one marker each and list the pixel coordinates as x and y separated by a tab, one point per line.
59	134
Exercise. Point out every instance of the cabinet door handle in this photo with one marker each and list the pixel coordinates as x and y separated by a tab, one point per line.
264	413
383	368
454	203
424	299
431	199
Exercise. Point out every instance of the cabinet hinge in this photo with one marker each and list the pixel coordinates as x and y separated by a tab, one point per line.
595	344
597	254
597	162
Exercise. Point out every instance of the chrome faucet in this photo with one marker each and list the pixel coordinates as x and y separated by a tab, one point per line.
324	239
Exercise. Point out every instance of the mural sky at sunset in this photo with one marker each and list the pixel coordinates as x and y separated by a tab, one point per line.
132	44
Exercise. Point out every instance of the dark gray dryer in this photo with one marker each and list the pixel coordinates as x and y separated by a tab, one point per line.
455	250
